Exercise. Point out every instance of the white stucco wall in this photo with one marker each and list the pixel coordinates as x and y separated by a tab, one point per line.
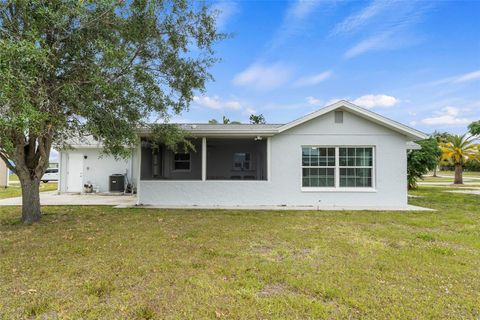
284	185
96	168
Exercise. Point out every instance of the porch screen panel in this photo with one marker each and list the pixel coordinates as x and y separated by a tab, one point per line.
318	167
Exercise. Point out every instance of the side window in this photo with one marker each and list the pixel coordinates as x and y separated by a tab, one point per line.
318	167
356	166
241	161
181	162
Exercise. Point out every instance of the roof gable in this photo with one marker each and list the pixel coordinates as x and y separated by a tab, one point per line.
361	112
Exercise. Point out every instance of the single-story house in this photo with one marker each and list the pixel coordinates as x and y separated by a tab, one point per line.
342	155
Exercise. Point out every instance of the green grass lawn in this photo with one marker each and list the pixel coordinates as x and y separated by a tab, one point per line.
449	179
100	262
16	191
465	173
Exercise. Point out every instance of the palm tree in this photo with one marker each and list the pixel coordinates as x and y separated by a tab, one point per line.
440	137
458	149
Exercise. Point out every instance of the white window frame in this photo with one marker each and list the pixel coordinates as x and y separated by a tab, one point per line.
337	167
189	162
320	167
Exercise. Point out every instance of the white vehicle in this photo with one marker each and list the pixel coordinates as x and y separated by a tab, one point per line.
50	175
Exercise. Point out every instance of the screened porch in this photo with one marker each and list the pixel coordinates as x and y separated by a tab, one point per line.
211	159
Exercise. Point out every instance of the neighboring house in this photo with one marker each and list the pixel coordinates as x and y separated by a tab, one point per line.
341	155
3	174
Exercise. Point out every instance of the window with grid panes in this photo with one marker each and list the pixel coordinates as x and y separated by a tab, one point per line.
318	167
356	166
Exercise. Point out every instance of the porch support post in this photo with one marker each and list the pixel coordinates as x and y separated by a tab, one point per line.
60	168
204	158
269	159
139	168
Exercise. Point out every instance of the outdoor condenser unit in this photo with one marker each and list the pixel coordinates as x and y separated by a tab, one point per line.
117	183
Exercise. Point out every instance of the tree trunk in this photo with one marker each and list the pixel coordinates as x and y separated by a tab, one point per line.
30	200
435	171
458	174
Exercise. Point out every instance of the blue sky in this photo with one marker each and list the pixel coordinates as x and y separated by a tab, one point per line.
417	62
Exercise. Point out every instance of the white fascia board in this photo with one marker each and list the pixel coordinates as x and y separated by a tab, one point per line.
225	133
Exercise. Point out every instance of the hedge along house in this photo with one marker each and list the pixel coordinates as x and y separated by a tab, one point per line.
339	156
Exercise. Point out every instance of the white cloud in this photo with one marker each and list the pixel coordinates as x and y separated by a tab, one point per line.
313	101
216	103
301	9
263	77
461	78
361	18
294	21
475	75
413	123
386	25
249	111
225	11
334	100
313	79
375	42
376	101
447	116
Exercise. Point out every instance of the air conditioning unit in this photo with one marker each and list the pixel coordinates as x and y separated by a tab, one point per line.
117	183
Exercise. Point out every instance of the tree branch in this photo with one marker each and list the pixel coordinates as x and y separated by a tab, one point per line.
129	64
86	25
7	163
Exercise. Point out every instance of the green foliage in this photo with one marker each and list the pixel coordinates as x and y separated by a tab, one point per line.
172	136
257	119
474	128
440	136
102	68
225	120
419	162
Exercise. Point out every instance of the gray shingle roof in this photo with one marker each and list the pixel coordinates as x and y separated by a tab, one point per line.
227	127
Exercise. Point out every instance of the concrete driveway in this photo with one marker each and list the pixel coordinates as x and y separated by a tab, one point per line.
52	198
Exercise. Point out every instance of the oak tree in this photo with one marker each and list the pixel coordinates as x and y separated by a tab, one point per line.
101	68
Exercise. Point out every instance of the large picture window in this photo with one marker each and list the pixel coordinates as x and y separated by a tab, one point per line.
337	167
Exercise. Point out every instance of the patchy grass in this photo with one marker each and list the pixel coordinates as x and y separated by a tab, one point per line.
16	190
100	262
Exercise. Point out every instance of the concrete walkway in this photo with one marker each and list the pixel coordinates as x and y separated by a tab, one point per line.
471	191
307	208
52	198
427	183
